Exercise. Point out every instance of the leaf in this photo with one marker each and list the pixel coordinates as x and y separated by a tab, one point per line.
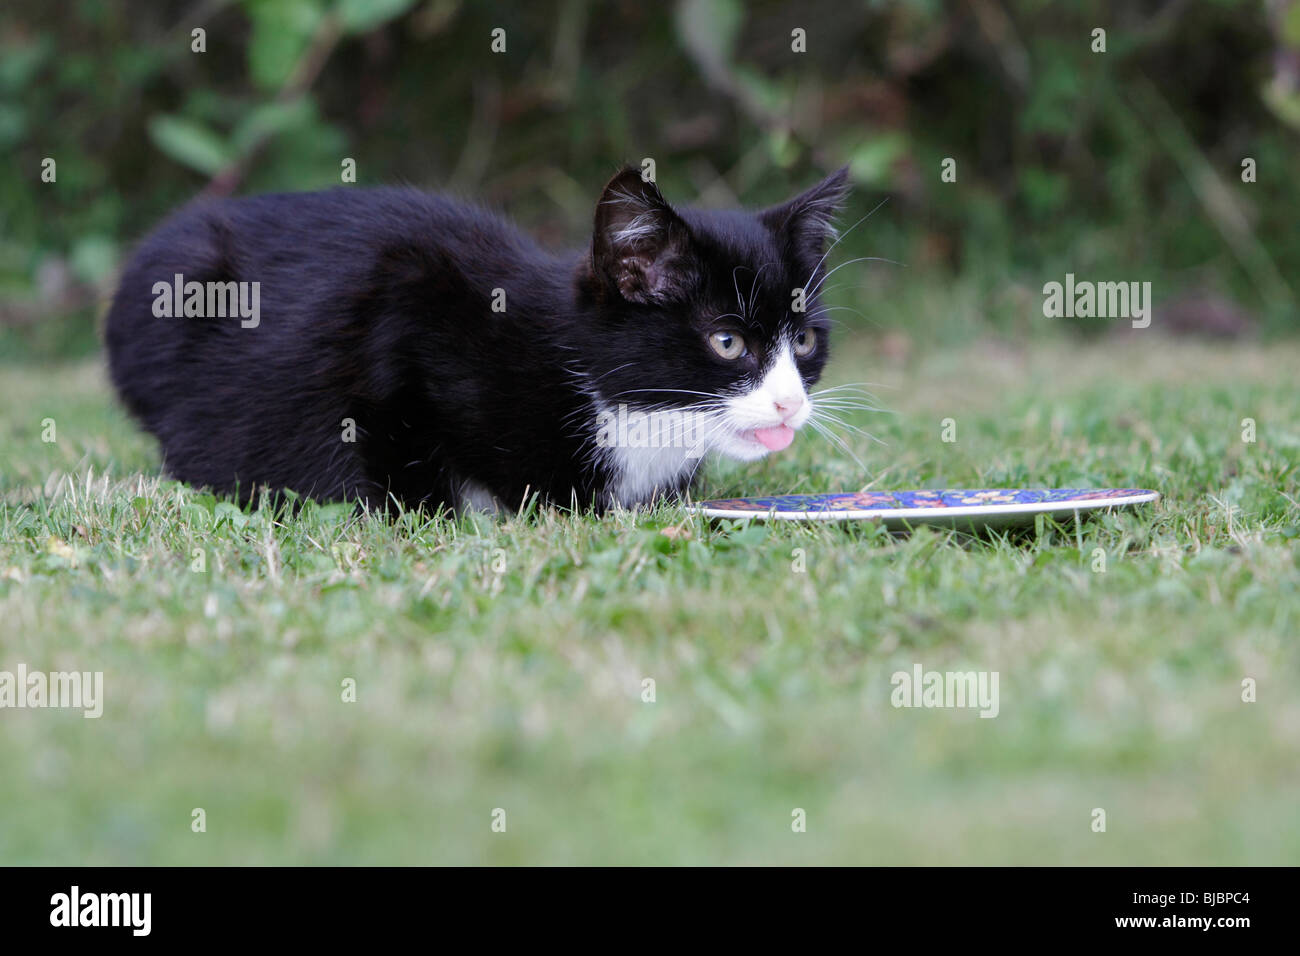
708	30
231	513
336	511
13	123
93	258
19	62
1045	192
751	536
270	119
189	143
742	533
282	31
873	161
361	16
1291	26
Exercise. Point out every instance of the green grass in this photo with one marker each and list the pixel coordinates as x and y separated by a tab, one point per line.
522	688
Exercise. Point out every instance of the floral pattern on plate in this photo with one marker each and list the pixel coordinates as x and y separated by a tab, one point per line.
946	498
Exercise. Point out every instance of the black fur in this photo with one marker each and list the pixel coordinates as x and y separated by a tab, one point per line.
376	307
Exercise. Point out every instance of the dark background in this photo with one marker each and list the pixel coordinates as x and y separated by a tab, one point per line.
1123	165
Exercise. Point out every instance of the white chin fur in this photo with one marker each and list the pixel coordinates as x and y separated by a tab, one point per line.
739	448
757	409
642	470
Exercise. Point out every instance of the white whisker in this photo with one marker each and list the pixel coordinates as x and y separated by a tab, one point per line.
840	238
822	280
831	436
753	287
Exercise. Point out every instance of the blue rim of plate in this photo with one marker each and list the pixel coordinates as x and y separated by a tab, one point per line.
926	506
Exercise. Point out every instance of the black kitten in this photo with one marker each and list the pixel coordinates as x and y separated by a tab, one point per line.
389	344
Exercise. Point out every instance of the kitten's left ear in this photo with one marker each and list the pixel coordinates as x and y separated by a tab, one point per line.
806	221
639	245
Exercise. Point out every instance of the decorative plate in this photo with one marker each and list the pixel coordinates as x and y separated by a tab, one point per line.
983	507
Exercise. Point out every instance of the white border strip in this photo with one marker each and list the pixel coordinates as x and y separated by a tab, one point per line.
925	515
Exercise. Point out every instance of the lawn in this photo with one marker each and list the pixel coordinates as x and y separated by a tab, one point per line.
501	664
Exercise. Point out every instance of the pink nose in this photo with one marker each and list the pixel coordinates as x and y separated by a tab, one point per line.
786	407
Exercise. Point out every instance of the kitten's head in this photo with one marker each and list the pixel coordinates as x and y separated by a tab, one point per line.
709	312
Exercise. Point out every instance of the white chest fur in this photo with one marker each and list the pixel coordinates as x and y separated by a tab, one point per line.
649	453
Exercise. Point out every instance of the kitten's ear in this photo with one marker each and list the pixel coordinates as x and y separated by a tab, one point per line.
806	221
639	245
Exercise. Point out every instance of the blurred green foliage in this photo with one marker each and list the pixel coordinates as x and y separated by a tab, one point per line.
1117	165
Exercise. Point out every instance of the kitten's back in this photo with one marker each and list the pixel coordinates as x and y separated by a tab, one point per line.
339	275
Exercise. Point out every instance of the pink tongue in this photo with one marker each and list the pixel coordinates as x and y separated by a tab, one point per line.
775	438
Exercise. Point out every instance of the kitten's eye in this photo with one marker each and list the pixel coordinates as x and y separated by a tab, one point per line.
727	344
804	343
